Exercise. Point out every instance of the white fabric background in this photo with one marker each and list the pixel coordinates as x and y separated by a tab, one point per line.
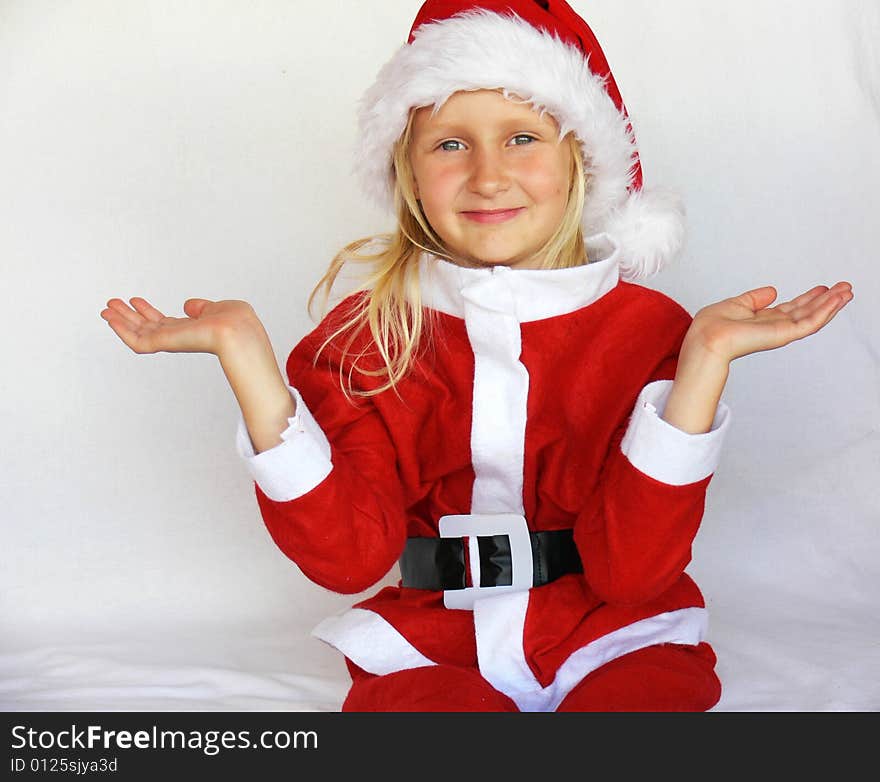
180	149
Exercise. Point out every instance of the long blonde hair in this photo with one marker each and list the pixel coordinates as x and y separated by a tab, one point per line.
392	304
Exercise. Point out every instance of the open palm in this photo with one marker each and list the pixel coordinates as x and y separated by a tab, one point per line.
207	324
746	324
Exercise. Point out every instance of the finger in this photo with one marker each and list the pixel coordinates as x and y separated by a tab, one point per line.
813	293
758	298
842	300
122	330
193	307
800	301
146	309
834	306
820	312
818	303
124	313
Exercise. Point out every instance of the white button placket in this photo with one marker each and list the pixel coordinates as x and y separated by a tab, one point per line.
501	390
500	394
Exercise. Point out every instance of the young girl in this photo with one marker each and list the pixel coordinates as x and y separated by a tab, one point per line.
500	408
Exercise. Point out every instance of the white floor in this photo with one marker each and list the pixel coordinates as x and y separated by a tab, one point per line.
770	659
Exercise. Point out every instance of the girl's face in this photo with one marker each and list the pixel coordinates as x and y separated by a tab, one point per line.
492	177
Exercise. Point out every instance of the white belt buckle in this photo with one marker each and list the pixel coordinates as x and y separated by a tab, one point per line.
482	524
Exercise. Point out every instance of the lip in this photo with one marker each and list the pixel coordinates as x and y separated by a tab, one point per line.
493	215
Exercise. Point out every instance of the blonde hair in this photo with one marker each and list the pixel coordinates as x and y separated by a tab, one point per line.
392	305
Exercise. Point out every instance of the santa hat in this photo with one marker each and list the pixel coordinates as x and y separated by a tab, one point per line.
543	52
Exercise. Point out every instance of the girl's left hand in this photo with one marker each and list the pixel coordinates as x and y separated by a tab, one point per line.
747	324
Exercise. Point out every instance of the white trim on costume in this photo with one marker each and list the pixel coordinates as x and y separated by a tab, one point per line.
666	453
370	642
373	644
296	465
500	393
536	293
499	624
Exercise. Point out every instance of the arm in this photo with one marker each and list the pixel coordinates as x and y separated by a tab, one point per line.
734	328
338	513
329	493
248	362
229	330
637	535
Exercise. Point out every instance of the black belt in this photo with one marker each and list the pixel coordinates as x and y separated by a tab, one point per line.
438	563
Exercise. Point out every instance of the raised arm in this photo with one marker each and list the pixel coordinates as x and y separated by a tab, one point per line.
636	534
736	327
229	330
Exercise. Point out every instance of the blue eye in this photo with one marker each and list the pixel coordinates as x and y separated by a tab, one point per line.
520	140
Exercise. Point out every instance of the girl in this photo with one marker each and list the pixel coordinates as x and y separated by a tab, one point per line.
500	407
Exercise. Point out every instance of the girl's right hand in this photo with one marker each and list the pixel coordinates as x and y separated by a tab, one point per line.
208	327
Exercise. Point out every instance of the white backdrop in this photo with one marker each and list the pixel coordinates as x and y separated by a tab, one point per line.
174	149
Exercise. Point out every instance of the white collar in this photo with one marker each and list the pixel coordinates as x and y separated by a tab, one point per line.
527	294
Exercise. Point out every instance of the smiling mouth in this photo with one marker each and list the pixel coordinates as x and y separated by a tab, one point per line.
493	215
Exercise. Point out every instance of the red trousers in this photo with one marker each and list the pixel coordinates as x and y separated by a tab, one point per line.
667	677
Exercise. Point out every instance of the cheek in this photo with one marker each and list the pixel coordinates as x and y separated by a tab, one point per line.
547	178
438	187
444	179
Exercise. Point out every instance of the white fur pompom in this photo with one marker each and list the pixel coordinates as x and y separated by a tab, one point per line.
650	230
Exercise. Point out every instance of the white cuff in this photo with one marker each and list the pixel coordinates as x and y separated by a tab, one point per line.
293	467
666	453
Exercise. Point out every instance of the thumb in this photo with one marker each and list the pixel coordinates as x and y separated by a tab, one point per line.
758	298
194	307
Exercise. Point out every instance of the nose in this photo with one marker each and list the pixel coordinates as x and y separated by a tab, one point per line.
489	174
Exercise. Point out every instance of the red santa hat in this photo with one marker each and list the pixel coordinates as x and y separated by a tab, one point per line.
543	52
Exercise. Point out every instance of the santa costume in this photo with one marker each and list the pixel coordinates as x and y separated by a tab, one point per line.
541	511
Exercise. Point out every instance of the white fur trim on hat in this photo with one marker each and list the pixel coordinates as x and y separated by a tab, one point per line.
481	49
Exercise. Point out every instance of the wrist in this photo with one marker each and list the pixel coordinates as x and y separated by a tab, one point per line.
697	353
249	363
248	359
699	382
246	336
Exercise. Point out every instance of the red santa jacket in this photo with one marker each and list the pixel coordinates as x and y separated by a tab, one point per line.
540	396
